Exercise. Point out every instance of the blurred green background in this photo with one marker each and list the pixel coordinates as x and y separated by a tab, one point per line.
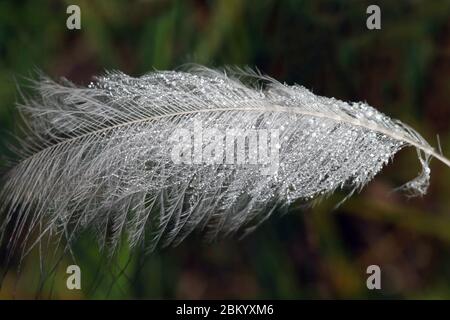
403	70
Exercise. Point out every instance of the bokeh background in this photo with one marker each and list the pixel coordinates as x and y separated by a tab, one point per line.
402	69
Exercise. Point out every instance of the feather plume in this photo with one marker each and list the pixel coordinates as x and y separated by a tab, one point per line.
101	157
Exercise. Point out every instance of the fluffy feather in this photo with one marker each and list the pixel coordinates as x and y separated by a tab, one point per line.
99	158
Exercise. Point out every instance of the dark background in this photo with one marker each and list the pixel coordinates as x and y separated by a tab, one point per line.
403	70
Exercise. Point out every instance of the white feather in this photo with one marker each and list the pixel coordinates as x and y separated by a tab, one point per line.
98	158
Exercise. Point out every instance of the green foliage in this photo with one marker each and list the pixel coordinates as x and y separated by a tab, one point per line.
401	69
